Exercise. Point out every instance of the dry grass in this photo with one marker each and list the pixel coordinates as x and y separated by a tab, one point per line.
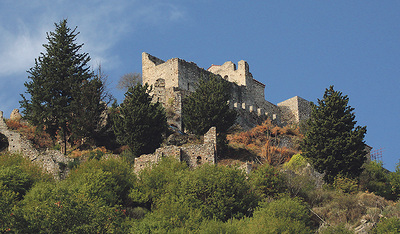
264	141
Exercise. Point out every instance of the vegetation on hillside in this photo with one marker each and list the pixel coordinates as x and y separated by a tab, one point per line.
320	182
106	196
265	143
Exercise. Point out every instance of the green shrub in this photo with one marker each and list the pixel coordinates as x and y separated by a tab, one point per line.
390	225
109	179
266	181
376	179
14	179
217	227
394	179
285	215
152	182
345	185
34	171
341	208
73	164
97	154
8	199
296	163
51	208
218	192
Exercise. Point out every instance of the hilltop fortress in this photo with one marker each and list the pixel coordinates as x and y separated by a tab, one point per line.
174	79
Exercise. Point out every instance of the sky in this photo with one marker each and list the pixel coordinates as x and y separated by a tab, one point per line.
296	48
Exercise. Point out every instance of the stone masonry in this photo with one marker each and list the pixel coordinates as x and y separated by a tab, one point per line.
174	79
193	155
49	160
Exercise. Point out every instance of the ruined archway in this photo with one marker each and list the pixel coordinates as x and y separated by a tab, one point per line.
3	142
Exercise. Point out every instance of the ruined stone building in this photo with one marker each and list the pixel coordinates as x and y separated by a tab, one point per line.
174	79
193	154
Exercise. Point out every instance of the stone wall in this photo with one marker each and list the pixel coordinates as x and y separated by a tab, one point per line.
49	160
193	155
174	79
295	109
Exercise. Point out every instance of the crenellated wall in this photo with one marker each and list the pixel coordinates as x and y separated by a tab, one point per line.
174	79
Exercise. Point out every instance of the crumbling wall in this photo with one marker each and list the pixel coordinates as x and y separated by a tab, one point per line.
49	160
193	155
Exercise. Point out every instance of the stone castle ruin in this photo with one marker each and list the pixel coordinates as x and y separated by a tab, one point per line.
174	79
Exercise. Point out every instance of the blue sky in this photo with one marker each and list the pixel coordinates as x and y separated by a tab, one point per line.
296	48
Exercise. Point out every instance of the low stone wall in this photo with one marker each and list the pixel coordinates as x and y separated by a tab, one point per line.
193	155
49	160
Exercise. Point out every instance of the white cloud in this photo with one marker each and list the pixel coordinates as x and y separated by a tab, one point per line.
102	25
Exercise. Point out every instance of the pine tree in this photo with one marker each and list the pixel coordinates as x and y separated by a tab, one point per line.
138	122
208	107
61	86
332	143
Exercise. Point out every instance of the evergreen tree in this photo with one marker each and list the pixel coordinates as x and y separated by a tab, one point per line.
332	143
138	122
64	94
208	107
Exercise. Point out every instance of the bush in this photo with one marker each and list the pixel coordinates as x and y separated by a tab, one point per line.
152	182
390	225
342	208
8	199
395	182
14	179
217	227
296	163
285	215
50	208
345	185
109	179
34	171
184	199
218	192
376	179
266	181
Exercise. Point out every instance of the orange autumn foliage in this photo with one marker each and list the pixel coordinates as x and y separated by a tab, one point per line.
264	141
39	139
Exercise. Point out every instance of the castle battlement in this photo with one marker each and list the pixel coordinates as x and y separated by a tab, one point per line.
176	78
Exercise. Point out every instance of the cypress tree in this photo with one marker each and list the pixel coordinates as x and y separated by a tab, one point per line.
138	122
332	143
208	107
61	84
